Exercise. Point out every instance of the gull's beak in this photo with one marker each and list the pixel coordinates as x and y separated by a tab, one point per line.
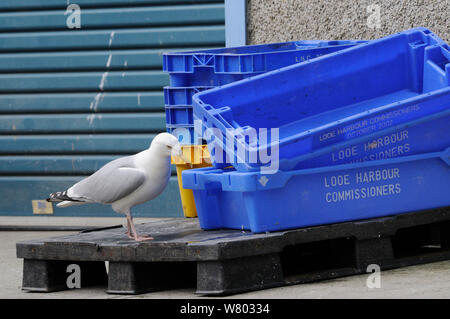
176	150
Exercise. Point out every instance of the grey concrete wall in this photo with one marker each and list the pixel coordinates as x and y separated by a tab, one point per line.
289	20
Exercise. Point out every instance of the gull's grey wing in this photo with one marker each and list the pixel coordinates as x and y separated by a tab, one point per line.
110	183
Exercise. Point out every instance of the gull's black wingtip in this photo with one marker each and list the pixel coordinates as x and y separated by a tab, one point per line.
60	197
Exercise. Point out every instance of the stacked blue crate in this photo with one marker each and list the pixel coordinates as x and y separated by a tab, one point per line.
179	113
196	71
226	198
341	96
363	134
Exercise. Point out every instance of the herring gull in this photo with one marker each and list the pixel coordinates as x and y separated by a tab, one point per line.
126	182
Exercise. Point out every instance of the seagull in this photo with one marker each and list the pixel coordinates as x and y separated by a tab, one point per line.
126	182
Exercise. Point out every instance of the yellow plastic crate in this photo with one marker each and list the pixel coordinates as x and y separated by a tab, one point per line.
193	156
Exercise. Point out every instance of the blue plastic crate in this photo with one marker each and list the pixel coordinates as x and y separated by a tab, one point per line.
221	66
425	135
326	195
181	96
343	95
179	114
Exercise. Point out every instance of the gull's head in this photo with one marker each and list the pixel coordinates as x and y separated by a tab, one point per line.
167	144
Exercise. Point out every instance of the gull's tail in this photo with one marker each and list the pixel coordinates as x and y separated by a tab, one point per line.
63	199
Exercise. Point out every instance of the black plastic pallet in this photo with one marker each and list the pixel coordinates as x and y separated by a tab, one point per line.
231	261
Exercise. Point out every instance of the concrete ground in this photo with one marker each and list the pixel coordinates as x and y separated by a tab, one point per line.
423	281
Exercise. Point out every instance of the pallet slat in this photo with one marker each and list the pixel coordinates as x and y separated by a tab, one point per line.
60	123
29	188
75	144
114	17
82	102
112	39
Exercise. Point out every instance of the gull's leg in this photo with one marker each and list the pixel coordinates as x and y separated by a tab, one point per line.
134	235
129	227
